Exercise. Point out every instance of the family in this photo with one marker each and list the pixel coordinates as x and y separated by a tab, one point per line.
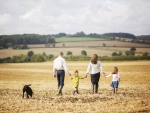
94	67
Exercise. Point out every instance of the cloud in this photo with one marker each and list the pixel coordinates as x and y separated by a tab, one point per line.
5	19
71	16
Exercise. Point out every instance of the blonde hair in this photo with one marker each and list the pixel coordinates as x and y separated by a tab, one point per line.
94	59
115	71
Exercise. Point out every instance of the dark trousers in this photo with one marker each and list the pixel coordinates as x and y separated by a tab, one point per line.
60	78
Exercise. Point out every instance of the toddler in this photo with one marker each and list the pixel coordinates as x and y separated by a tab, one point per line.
75	81
115	79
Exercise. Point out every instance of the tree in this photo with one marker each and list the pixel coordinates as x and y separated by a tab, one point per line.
63	45
13	59
50	56
83	52
9	45
132	53
129	53
44	56
145	54
113	38
24	46
80	34
53	44
47	45
114	54
120	53
62	34
37	58
104	45
30	53
40	58
69	53
133	49
23	58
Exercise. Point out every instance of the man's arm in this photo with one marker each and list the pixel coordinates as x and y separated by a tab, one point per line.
54	70
65	67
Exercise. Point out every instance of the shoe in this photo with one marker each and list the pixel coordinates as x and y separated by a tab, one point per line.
73	92
60	91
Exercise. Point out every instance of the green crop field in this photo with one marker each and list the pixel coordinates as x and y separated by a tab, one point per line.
77	39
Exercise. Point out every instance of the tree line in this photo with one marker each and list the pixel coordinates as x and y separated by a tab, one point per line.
143	37
122	35
24	39
42	58
31	57
20	41
105	35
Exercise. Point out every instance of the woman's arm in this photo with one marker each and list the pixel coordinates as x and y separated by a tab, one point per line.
101	68
88	69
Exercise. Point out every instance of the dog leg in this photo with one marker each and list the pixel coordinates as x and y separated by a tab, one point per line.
23	94
27	95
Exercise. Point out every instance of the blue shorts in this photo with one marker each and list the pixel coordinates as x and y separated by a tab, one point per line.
114	84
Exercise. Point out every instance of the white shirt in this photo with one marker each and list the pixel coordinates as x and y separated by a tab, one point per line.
59	64
95	68
115	77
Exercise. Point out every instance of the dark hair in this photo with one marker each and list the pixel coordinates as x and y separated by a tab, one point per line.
76	71
115	71
94	59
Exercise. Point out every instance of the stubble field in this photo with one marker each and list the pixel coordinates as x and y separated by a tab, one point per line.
133	95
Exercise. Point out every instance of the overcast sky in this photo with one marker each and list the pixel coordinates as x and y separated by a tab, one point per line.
71	16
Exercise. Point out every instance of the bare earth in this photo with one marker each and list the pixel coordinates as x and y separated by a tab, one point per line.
133	95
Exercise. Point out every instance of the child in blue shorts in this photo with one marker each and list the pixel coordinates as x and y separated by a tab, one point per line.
115	79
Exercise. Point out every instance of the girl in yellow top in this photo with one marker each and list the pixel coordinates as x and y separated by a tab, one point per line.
75	81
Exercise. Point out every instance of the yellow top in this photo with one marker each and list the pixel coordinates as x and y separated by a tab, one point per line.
75	81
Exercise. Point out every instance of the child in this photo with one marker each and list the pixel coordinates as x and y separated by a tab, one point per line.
115	79
75	81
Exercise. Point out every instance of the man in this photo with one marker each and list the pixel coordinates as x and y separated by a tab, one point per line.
59	68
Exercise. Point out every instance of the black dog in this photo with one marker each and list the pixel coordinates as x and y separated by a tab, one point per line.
28	91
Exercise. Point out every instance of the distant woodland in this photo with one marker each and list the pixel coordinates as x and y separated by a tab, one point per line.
21	40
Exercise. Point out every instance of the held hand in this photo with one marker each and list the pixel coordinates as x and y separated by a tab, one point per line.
104	74
54	76
85	76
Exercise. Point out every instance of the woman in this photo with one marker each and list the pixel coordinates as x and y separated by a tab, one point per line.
95	72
